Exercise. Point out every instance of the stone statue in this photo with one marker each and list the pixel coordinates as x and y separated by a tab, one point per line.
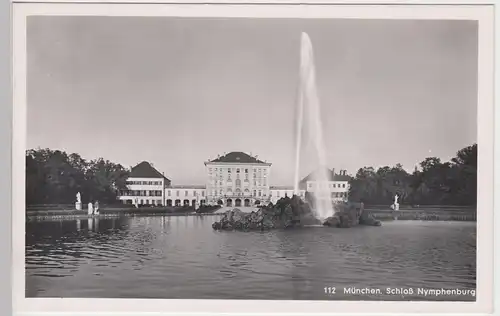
90	209
78	203
395	206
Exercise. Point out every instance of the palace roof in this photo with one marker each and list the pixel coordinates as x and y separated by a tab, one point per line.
330	174
238	157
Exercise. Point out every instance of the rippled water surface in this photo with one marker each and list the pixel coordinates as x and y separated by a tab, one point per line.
182	257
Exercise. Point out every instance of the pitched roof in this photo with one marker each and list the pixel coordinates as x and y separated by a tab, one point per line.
145	170
238	157
330	174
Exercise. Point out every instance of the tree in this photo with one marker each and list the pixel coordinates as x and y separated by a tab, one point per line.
54	177
452	182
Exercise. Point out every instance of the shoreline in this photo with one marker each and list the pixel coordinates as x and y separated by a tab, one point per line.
379	214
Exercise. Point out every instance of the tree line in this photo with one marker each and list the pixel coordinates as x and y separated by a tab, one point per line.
55	177
434	183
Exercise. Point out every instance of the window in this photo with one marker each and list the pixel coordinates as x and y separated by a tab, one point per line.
185	193
255	192
229	170
169	193
238	182
202	193
246	170
238	170
260	193
177	193
343	185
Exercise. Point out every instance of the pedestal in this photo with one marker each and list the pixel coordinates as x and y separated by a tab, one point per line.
78	206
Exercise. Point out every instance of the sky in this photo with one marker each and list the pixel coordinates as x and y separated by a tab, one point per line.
179	91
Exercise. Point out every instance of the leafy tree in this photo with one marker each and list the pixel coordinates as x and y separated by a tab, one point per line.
54	177
452	183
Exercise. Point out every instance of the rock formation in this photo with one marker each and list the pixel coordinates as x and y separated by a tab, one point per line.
293	212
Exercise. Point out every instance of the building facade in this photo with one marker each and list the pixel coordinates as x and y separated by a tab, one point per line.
185	195
237	179
234	179
145	186
335	185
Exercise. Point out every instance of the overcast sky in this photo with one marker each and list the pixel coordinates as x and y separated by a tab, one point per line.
177	91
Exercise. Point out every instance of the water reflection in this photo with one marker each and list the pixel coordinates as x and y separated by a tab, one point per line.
182	257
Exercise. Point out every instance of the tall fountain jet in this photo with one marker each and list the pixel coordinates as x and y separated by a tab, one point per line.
309	123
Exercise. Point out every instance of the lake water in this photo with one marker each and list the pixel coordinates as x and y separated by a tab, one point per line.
182	257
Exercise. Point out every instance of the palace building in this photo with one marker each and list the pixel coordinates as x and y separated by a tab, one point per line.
237	179
233	179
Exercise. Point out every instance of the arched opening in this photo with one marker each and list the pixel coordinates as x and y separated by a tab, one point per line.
238	192
247	202
177	202
169	202
219	202
186	202
257	202
193	202
229	202
237	202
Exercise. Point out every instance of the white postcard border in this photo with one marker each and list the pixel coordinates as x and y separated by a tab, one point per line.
484	15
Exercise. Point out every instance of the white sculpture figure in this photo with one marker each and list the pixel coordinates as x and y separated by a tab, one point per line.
90	209
78	204
395	206
136	202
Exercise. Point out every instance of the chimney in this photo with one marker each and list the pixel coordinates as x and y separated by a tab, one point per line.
333	171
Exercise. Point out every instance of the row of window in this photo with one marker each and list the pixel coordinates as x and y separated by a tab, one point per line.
186	193
332	185
168	202
144	202
144	182
229	170
237	192
238	182
141	193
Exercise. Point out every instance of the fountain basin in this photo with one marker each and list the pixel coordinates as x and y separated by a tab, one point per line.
294	213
